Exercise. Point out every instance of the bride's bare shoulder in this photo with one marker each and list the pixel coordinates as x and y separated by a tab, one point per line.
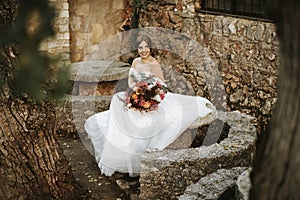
156	62
135	62
153	61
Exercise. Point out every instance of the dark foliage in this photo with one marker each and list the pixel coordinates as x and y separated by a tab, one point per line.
24	70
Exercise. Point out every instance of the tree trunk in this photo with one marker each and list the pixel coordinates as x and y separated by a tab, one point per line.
276	167
32	166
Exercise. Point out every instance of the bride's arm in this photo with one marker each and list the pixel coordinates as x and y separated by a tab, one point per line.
157	70
131	81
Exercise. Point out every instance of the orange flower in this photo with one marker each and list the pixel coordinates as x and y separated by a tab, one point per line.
147	104
134	96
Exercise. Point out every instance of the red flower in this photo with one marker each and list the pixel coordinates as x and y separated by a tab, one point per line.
162	96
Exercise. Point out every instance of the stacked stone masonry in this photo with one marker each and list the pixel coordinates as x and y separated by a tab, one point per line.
58	46
91	22
215	185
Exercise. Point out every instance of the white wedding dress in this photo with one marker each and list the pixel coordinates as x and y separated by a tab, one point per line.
121	135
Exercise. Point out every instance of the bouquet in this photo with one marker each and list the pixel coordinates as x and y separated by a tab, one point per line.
145	95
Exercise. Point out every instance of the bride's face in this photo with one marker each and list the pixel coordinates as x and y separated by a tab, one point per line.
144	50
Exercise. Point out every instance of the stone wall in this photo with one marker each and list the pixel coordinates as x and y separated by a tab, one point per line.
91	22
245	51
80	26
59	45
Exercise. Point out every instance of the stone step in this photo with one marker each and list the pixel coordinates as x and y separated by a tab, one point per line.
98	77
98	71
214	185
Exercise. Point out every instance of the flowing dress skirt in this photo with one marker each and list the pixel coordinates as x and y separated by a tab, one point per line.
121	135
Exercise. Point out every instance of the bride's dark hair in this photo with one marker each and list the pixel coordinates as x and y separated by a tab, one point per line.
142	38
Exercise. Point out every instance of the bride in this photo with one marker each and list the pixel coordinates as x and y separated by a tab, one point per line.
121	135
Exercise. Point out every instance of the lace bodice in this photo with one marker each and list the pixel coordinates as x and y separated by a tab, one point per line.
139	76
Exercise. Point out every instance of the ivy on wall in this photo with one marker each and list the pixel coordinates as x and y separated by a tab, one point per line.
138	5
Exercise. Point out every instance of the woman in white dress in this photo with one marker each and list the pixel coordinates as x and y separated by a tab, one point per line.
121	135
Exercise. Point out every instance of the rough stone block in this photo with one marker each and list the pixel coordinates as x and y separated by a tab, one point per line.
165	174
214	185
